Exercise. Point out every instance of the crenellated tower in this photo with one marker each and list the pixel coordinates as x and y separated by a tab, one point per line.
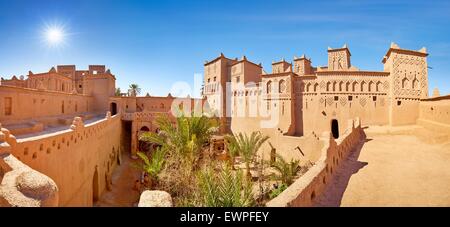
408	82
339	59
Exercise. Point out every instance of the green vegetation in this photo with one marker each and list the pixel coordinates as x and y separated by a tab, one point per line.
185	138
277	191
224	189
246	146
184	167
287	171
152	166
134	90
118	92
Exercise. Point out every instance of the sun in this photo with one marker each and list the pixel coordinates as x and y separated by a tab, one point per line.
54	35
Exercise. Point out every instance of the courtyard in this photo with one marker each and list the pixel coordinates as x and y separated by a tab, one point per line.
403	166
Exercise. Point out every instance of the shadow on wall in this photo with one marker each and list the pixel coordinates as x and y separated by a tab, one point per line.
333	193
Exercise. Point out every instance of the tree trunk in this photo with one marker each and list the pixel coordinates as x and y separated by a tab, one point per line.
231	161
249	175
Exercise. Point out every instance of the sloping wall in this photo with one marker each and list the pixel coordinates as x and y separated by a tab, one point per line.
434	114
309	186
80	160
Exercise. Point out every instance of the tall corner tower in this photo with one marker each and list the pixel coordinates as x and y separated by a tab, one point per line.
339	59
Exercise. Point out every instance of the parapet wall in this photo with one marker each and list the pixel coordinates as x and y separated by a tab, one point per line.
308	187
302	148
434	114
26	103
21	186
80	160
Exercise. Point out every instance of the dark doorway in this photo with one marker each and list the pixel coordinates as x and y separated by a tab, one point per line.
95	189
126	136
335	128
143	145
113	108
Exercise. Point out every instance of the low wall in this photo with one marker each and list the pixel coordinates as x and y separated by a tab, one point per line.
26	103
302	148
80	160
21	186
434	114
308	187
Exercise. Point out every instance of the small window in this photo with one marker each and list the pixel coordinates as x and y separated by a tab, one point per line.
336	98
238	79
215	78
209	80
350	98
399	103
80	86
8	106
374	98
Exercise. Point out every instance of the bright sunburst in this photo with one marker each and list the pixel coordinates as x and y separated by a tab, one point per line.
54	35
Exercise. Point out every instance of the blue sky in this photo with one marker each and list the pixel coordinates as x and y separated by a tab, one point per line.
157	43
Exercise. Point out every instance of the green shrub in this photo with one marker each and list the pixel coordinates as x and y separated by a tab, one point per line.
276	192
224	189
287	171
154	165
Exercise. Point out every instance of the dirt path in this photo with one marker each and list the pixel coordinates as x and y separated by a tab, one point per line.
392	170
122	194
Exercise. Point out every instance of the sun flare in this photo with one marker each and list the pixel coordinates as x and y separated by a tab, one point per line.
54	35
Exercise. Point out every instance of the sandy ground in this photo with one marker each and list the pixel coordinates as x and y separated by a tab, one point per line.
394	168
122	194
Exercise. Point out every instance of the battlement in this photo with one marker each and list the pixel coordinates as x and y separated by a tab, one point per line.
395	48
80	152
339	59
97	69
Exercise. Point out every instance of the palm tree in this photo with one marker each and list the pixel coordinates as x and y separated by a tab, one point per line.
152	166
233	149
118	92
185	138
246	146
224	189
134	90
286	170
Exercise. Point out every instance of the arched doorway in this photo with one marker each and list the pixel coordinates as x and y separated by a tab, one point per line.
335	128
113	108
144	146
95	189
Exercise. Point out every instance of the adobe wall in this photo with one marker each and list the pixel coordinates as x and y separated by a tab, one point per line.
34	104
21	186
434	114
308	187
302	148
80	160
342	96
143	111
101	87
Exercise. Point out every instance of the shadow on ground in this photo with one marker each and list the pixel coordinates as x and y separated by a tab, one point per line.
122	193
334	191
